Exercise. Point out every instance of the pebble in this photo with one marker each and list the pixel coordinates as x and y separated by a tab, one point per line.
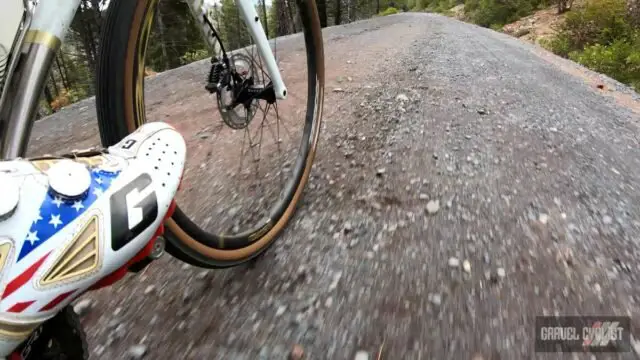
381	171
501	272
338	90
83	306
347	227
402	97
454	262
423	196
297	352
433	206
435	299
281	310
361	355
607	220
329	302
543	218
466	266
137	351
149	289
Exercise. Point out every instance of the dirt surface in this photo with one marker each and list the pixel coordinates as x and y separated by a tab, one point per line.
535	174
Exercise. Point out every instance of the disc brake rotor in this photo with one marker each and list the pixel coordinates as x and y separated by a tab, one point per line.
239	116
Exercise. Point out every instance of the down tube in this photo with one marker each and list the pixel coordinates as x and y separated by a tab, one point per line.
51	20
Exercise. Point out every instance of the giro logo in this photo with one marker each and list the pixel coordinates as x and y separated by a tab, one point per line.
133	209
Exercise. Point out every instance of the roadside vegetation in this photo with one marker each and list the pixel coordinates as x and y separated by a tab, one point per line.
603	35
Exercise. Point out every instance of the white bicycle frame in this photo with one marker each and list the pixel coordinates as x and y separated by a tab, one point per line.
33	35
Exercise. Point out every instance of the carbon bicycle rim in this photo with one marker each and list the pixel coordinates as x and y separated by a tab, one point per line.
213	228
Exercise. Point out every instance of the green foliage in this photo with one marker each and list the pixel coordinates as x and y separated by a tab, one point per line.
600	37
389	11
620	59
194	55
599	22
497	13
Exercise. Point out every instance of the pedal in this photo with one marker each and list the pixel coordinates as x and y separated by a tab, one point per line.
158	248
156	253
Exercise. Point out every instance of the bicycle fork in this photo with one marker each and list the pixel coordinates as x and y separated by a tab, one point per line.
256	30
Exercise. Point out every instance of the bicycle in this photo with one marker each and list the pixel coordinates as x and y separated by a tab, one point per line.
31	35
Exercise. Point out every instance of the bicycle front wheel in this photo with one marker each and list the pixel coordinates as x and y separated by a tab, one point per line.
236	197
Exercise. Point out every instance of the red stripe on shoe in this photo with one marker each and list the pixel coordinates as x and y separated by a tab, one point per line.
56	301
22	279
19	307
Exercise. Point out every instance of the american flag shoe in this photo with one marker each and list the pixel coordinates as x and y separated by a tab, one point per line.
68	223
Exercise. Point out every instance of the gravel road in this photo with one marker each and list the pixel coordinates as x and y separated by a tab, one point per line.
465	183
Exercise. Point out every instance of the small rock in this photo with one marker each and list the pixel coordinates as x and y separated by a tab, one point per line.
202	275
83	306
482	111
423	196
381	171
99	350
347	227
137	351
353	243
149	289
435	299
501	272
607	220
337	90
453	262
281	310
433	206
297	353
349	78
402	97
466	266
486	258
543	218
329	302
361	355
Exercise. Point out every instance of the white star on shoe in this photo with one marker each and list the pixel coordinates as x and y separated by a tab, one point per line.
97	192
77	205
38	218
32	237
57	201
55	221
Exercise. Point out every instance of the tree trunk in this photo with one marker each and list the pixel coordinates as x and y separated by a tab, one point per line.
633	7
48	97
322	12
53	83
377	6
293	20
62	70
264	15
163	45
336	13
